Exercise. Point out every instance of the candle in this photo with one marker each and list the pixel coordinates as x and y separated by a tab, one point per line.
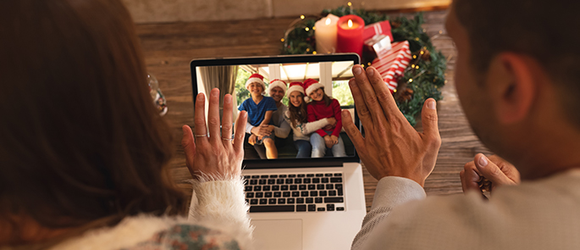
325	34
349	34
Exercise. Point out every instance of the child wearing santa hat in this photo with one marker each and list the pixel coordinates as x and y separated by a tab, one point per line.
322	106
297	117
260	108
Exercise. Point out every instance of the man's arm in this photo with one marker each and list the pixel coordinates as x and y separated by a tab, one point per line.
390	192
249	128
392	151
267	117
283	131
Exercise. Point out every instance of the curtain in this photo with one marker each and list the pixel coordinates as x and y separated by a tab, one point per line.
221	77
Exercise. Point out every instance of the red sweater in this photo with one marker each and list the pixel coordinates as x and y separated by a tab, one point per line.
319	110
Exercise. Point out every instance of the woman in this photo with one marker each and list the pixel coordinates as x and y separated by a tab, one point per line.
323	106
298	120
83	153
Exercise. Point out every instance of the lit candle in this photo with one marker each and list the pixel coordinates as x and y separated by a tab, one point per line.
325	34
350	34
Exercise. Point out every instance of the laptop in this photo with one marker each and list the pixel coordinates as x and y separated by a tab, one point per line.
295	203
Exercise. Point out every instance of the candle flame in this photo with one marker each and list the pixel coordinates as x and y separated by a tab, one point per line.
328	21
350	23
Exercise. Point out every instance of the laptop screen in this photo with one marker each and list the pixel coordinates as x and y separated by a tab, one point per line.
331	72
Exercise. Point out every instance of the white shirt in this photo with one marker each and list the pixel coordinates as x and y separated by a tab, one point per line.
540	214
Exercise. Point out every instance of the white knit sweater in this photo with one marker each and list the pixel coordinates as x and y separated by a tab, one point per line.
541	214
302	131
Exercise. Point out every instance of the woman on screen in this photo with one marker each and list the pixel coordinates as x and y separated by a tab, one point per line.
322	106
297	117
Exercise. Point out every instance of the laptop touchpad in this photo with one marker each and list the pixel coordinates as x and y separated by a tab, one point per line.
278	234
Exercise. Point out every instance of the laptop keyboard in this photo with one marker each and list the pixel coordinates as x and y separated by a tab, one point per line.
316	192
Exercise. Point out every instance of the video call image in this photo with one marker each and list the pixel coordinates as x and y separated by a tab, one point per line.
293	108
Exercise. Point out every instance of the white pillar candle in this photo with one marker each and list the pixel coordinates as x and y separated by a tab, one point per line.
325	34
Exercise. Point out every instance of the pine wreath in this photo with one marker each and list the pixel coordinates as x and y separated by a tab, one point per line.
422	79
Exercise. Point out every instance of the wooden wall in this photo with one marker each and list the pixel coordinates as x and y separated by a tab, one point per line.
160	11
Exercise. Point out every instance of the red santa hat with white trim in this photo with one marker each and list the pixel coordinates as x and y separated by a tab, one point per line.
295	86
256	78
310	85
277	83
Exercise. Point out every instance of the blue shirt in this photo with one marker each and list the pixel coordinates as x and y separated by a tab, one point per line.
257	112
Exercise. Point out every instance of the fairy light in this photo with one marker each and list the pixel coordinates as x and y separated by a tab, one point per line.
302	17
314	52
307	49
314	28
349	4
422	52
307	29
414	56
282	39
410	79
417	66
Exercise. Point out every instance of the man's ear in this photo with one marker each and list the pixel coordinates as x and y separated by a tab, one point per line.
513	82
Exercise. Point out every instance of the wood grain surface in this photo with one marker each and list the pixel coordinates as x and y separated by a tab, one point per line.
169	48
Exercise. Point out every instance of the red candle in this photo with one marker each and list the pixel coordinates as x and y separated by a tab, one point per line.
350	34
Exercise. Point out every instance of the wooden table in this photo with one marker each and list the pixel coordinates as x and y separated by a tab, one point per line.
169	48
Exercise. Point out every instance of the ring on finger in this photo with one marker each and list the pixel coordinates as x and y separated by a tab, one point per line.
200	135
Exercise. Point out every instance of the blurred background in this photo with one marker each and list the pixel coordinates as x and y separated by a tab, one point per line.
160	11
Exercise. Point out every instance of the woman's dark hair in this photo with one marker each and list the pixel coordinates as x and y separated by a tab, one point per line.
80	138
298	114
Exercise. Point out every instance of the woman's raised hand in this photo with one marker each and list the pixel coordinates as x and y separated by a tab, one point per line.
213	156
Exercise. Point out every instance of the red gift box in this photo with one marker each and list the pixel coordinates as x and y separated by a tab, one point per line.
392	64
380	28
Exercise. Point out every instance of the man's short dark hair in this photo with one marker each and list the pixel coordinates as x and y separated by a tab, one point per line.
545	30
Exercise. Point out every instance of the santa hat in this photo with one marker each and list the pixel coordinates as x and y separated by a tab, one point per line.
277	83
295	86
310	85
256	78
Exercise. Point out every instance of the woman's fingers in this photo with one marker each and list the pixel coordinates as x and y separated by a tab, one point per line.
214	116
199	120
227	120
240	132
188	144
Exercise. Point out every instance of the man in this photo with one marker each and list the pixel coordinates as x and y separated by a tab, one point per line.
277	90
521	98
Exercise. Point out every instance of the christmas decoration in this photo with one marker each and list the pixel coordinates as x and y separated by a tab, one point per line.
375	46
421	79
377	29
392	63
